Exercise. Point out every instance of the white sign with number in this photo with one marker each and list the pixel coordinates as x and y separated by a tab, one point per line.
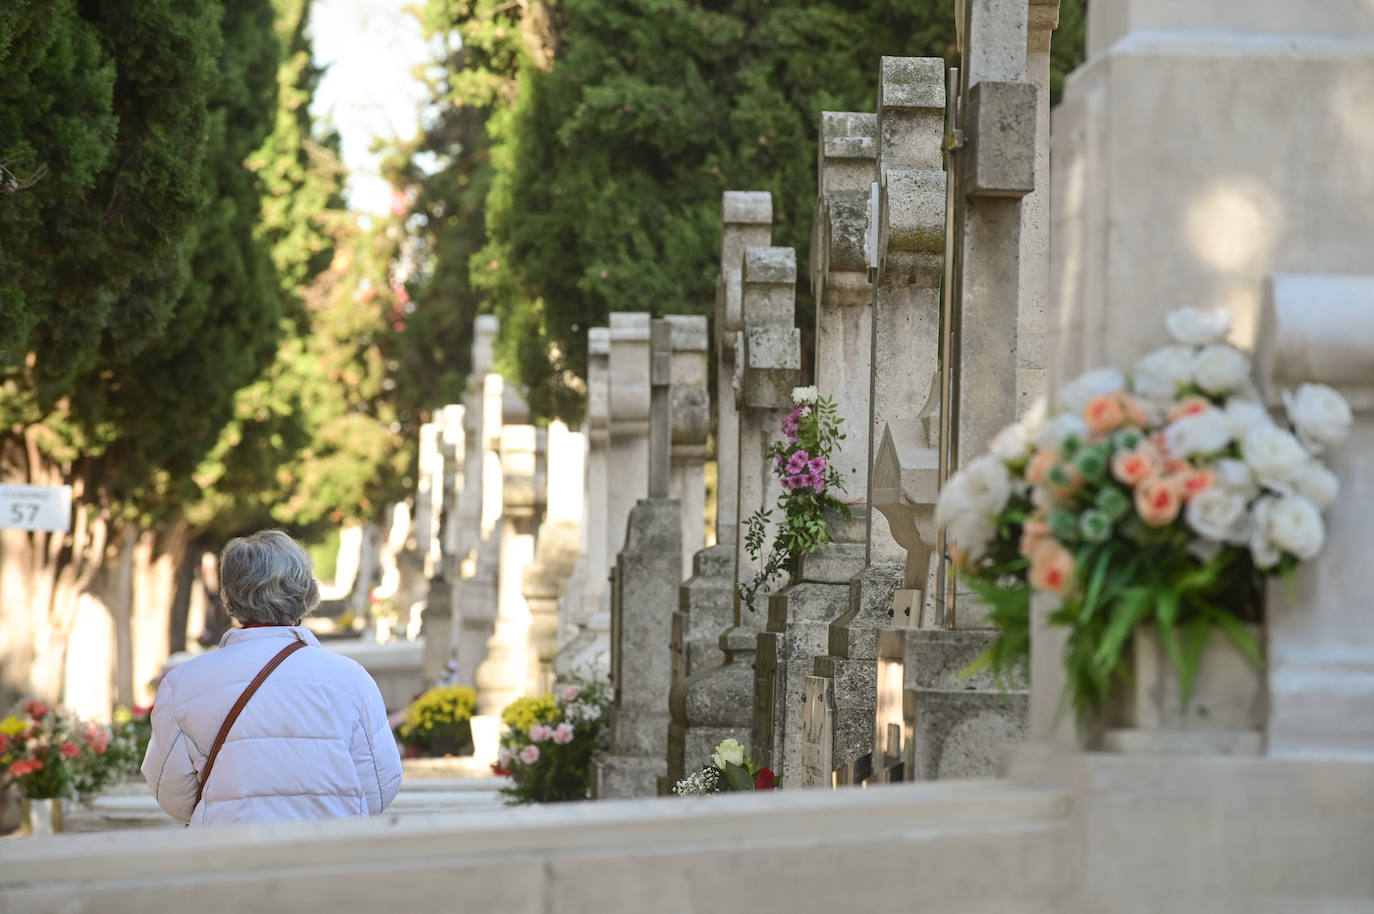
36	507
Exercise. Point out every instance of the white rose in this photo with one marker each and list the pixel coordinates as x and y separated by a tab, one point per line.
1011	443
805	396
1235	476
1215	514
1157	376
972	533
1274	454
1198	327
1056	429
1098	382
1262	550
1202	433
1322	416
1220	368
1243	415
1295	525
1033	419
729	751
1317	484
978	491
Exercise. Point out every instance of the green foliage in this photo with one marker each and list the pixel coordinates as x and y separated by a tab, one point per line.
437	723
802	463
609	130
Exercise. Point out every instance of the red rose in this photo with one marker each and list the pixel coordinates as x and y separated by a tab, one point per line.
498	771
764	780
36	710
68	750
4	743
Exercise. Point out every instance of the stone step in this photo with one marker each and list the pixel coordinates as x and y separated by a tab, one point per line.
834	563
714	562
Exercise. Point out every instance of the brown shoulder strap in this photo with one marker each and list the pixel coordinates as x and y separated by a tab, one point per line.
238	707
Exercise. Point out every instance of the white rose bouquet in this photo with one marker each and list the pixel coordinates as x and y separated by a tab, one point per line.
730	769
1162	497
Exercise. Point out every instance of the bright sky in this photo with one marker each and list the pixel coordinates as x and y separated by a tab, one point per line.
368	49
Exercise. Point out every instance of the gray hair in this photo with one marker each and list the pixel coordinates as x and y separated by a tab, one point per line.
267	578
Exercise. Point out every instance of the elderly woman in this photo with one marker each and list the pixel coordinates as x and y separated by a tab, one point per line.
271	727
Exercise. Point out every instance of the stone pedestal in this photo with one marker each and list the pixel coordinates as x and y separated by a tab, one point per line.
646	582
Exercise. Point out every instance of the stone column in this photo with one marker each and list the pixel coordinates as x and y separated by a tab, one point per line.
799	615
585	612
557	549
691	424
710	702
647	574
502	676
628	420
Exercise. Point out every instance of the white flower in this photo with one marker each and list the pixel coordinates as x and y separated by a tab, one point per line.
1011	444
1055	429
1157	376
1215	514
981	489
1198	327
1220	368
972	533
728	751
805	396
1275	455
1317	484
1262	549
699	783
1206	432
1075	395
1235	476
1321	415
1243	415
1295	525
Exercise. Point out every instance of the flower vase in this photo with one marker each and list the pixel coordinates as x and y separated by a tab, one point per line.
1224	714
41	817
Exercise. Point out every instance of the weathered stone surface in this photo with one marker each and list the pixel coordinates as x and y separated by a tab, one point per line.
999	158
706	605
647	579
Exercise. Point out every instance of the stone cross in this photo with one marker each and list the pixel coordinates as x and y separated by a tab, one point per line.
907	255
843	292
711	697
799	615
584	614
445	528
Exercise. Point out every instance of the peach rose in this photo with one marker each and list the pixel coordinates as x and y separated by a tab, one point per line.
1190	406
1157	501
1174	466
1135	413
1032	535
1103	414
1051	568
1193	481
1039	466
1133	467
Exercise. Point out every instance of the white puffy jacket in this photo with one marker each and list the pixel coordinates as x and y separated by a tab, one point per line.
312	743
